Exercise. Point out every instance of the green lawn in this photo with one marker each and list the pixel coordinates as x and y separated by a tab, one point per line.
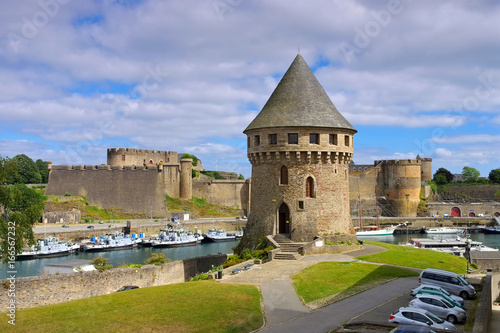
416	258
204	306
327	282
207	306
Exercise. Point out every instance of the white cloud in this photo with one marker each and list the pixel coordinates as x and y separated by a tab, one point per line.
180	75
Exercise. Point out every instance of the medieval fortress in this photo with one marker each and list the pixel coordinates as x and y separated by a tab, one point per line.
303	182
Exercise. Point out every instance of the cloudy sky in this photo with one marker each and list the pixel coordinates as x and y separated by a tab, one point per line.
413	77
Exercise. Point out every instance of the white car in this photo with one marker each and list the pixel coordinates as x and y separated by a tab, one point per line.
426	286
440	307
420	317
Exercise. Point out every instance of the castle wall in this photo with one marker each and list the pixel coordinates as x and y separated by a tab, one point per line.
230	193
140	157
128	188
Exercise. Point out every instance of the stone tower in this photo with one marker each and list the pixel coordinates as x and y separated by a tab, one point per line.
300	147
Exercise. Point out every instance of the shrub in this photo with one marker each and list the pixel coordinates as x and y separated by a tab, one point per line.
101	264
157	259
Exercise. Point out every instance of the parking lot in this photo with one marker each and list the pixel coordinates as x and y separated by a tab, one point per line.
379	316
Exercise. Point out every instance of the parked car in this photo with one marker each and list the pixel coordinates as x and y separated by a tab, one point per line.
440	307
433	287
90	227
420	317
127	288
65	225
412	329
452	282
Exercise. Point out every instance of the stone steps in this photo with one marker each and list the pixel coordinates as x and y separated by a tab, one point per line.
287	256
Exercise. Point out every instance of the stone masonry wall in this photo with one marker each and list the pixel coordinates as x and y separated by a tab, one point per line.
230	193
128	188
52	289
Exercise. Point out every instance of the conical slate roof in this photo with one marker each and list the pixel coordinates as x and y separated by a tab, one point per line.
299	100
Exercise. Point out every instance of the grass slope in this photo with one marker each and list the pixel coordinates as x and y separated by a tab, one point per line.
203	306
327	282
416	258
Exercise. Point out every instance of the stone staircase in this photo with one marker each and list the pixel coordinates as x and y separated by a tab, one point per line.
289	249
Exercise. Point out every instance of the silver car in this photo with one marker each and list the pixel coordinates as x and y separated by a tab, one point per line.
425	286
420	317
440	307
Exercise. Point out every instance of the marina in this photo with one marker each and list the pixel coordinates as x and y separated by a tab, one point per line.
135	255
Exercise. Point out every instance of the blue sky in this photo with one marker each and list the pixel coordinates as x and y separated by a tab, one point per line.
413	77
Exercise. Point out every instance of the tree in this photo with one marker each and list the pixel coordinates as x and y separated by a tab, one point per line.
23	207
43	169
447	174
470	175
194	158
101	264
494	176
440	179
27	169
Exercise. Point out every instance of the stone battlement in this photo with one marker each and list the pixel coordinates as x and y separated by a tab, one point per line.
138	151
102	167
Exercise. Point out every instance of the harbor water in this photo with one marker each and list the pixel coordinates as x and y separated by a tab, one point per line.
136	255
140	254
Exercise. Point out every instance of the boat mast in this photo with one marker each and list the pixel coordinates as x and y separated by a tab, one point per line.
359	208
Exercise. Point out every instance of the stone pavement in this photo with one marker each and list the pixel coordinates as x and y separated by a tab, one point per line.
281	302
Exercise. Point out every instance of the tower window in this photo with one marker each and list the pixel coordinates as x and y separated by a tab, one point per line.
301	204
314	138
347	141
293	138
333	139
257	140
248	142
284	175
123	157
309	187
273	139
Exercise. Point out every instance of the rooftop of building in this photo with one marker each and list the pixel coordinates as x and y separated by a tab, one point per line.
299	100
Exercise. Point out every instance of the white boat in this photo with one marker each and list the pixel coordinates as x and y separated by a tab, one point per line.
443	230
215	236
456	246
378	232
110	242
174	238
48	247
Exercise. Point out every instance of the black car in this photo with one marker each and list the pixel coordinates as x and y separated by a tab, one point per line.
127	288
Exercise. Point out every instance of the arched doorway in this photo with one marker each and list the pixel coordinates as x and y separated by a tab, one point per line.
497	214
472	214
455	211
284	219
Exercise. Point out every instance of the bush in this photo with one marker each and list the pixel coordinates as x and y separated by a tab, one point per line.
157	259
101	264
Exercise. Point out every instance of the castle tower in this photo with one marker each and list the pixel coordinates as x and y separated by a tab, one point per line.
186	182
300	147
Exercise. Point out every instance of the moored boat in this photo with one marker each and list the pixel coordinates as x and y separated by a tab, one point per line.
48	247
218	235
110	242
443	230
174	238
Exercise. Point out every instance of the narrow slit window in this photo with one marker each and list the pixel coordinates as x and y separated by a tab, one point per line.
309	187
347	141
284	175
